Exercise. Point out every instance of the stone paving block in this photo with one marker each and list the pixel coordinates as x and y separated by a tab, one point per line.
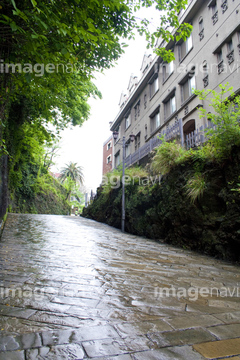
57	337
118	357
229	317
16	325
139	343
142	327
215	349
190	321
59	319
223	332
22	313
4	310
181	337
12	355
172	353
59	352
94	333
106	347
31	340
9	343
83	302
116	346
204	308
231	304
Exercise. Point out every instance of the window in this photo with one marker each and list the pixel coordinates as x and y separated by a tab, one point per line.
205	74
201	28
109	159
109	145
185	47
220	65
127	151
145	101
230	46
214	12
117	159
219	56
169	107
137	109
118	134
168	69
230	54
137	141
154	87
188	87
155	121
127	121
214	8
146	134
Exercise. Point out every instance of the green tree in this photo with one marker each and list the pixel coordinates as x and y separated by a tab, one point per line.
225	132
50	51
82	36
72	171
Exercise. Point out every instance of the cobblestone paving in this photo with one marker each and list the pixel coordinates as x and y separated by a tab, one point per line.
71	288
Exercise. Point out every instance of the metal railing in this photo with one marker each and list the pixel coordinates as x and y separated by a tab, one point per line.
170	133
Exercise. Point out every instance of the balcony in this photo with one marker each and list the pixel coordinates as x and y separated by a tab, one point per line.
220	67
206	81
230	57
224	6
215	18
170	133
201	35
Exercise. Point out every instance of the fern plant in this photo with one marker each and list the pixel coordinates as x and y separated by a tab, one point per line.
167	156
195	186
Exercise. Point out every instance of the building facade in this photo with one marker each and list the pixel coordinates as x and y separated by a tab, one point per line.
107	155
163	100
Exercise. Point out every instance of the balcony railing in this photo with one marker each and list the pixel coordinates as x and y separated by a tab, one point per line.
201	34
170	133
220	67
215	18
205	81
224	6
230	57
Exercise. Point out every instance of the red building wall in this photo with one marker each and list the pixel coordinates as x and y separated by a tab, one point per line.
107	155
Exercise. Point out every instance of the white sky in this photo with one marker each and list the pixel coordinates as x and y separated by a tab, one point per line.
84	145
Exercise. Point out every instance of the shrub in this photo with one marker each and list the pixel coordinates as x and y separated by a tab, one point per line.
168	155
195	186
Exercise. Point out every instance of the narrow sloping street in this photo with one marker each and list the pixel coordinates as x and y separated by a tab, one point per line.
72	288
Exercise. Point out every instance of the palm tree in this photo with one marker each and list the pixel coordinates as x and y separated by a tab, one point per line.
72	171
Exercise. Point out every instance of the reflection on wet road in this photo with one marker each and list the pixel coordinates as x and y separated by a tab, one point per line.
72	288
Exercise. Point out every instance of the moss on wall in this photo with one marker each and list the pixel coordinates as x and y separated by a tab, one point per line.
163	211
48	196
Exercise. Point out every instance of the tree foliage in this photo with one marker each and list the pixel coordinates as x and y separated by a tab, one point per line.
49	53
72	171
57	46
223	134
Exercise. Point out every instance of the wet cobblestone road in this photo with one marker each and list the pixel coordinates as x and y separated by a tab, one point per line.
72	288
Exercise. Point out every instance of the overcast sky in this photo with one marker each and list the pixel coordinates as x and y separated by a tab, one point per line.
84	145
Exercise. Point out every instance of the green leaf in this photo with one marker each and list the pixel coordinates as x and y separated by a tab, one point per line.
28	77
14	26
14	5
34	3
64	51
